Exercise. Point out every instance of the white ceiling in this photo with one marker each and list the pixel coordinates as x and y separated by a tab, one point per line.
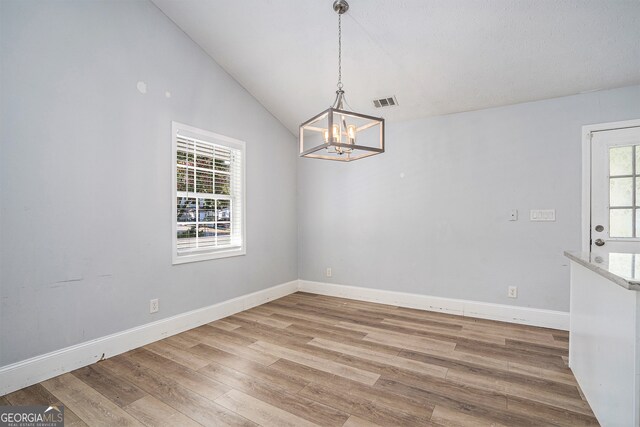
436	56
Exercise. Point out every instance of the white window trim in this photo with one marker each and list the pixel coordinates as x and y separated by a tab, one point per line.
214	138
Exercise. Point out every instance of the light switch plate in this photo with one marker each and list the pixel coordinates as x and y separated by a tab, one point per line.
542	215
513	215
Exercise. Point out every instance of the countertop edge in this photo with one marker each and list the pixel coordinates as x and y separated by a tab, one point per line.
619	280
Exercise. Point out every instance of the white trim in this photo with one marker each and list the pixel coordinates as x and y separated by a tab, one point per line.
206	255
586	172
32	371
483	310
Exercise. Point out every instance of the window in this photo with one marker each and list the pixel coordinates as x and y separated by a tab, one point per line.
624	191
208	195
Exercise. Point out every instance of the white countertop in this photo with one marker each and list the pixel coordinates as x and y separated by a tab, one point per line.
622	269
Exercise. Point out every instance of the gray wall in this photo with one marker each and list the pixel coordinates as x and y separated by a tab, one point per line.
85	179
85	193
443	229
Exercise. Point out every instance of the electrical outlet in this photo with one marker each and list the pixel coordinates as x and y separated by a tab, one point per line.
513	292
154	306
328	271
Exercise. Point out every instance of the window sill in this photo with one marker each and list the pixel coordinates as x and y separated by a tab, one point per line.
195	257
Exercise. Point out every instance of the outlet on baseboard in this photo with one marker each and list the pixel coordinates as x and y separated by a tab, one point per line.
154	305
328	272
513	292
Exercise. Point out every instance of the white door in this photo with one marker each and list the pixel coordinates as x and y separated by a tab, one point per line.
615	191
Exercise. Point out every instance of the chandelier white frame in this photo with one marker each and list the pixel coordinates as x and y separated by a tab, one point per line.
337	133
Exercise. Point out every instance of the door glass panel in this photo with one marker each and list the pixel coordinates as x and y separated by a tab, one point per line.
621	223
624	191
621	192
620	161
622	264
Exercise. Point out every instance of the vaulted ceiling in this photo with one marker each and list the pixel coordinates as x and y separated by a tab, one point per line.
436	56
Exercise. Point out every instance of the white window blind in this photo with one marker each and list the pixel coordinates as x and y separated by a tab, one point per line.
209	195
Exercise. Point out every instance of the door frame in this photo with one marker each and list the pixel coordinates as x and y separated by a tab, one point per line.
587	132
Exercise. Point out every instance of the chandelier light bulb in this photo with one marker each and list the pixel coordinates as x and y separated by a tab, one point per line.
351	134
336	133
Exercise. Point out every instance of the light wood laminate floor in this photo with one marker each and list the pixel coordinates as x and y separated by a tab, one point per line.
307	360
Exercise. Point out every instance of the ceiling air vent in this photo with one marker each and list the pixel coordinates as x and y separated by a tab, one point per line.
385	102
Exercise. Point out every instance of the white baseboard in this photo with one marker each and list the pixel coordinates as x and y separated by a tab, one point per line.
32	371
483	310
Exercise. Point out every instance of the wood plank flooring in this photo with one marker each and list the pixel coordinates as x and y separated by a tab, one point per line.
306	360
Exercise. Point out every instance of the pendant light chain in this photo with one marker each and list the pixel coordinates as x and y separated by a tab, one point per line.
340	52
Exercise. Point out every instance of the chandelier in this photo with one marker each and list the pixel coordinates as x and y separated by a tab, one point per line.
337	133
